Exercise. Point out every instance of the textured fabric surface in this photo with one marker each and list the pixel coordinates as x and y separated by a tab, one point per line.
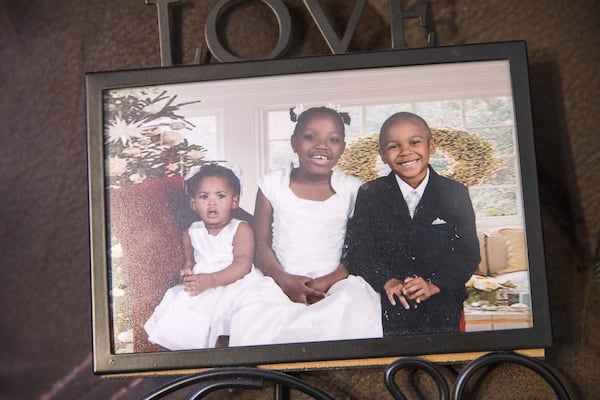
46	46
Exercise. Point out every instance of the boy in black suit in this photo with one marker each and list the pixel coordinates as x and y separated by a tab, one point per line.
417	260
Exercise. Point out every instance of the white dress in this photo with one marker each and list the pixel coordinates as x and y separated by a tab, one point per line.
181	321
308	237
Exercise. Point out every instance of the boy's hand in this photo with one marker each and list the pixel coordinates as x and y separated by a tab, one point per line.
418	289
394	289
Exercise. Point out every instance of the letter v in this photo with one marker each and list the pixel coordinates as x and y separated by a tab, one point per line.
333	41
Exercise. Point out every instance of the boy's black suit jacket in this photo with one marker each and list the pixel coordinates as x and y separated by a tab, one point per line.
439	244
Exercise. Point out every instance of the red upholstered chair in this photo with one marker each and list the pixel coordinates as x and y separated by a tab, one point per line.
144	219
148	220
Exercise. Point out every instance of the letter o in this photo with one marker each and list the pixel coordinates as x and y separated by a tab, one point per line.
222	54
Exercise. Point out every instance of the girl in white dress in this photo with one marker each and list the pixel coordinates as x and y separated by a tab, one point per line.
218	253
300	224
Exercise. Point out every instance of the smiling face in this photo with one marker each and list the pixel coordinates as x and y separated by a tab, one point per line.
319	144
214	201
405	147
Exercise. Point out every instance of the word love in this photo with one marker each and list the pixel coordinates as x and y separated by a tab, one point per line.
278	7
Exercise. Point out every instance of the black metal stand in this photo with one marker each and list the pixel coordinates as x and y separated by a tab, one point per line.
419	364
238	377
497	358
255	378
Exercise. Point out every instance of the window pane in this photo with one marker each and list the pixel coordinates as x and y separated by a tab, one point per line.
440	114
441	163
501	137
489	111
279	125
506	175
494	202
281	154
355	129
376	115
204	133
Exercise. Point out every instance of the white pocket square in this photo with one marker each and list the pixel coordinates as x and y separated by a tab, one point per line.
438	221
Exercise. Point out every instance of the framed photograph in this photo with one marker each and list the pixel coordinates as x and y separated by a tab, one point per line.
149	129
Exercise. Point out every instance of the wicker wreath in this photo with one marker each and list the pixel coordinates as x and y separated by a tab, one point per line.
474	157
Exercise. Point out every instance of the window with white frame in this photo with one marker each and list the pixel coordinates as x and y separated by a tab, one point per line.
490	118
247	121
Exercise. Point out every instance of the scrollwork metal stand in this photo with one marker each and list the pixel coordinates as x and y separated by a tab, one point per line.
241	378
255	378
499	357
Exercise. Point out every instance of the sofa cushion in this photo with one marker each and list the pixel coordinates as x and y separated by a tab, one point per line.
497	254
482	268
516	248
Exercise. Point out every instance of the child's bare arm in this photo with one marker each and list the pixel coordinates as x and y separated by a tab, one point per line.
243	250
243	253
294	286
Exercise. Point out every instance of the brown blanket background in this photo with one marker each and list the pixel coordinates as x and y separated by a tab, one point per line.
46	46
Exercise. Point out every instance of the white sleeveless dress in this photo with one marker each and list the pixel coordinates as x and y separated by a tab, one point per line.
181	321
308	237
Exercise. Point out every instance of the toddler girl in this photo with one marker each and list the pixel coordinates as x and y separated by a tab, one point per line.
218	253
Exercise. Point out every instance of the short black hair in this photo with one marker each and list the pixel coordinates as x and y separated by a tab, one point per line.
213	170
401	117
302	119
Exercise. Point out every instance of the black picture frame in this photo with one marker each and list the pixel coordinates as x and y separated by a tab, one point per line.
302	355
